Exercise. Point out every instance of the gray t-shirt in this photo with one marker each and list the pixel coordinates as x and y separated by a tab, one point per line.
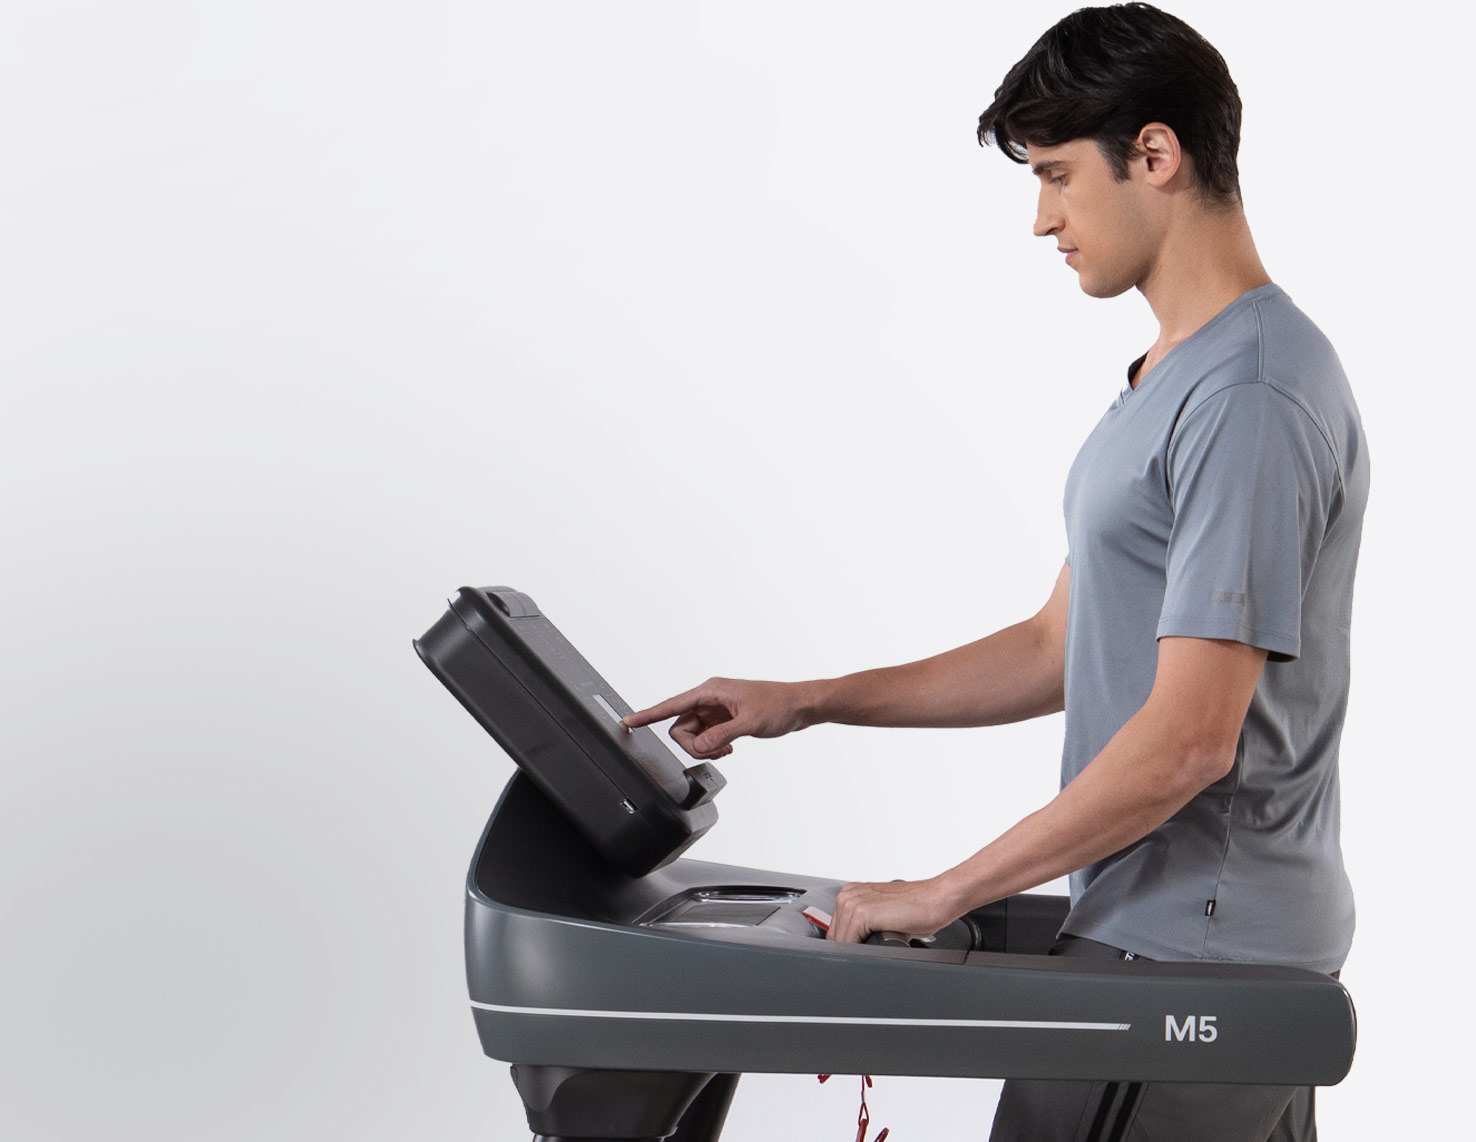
1223	498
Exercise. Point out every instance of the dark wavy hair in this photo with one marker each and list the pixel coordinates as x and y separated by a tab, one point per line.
1105	73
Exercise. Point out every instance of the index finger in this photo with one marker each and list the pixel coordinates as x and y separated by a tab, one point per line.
661	711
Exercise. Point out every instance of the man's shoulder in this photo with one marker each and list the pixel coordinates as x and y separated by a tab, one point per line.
1295	354
1268	363
1266	340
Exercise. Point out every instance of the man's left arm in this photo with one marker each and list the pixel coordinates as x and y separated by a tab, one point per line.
1182	740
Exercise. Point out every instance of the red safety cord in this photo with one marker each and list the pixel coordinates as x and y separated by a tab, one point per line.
863	1118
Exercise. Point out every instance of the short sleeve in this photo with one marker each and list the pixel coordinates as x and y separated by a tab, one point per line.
1253	485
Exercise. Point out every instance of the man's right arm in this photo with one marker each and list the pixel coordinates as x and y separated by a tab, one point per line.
1013	674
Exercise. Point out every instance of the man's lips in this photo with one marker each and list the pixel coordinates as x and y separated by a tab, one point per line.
1070	253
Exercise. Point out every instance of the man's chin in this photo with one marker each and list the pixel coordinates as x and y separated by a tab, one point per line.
1103	289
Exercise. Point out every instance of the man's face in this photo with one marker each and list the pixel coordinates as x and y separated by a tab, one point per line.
1102	225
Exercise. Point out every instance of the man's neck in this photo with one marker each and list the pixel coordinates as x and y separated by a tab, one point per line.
1206	261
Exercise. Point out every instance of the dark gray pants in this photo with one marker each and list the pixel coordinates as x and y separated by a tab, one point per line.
1052	1111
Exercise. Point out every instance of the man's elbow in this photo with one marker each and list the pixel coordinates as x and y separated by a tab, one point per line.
1194	748
1189	756
1202	762
1198	706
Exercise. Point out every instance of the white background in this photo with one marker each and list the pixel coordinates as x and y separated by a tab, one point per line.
710	327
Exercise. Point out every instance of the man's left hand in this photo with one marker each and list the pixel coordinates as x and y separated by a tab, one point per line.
912	907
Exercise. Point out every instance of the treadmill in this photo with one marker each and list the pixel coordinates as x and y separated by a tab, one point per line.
630	986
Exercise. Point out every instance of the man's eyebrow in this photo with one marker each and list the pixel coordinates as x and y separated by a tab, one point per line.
1046	164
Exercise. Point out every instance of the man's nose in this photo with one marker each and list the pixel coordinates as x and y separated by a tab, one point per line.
1047	219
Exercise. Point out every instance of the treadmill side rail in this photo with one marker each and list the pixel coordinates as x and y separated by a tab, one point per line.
561	971
580	994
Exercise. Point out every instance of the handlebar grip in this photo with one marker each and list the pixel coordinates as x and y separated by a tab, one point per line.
890	940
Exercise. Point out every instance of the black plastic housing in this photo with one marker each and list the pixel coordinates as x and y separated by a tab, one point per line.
559	721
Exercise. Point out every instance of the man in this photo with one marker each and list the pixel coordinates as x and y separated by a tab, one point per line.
1197	637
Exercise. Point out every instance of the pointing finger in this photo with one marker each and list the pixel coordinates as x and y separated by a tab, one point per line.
661	711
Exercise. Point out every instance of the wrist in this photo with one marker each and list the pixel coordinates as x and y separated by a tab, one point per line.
958	890
813	702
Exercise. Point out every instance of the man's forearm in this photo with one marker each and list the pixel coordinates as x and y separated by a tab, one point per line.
1143	776
1182	740
1135	784
1016	673
1012	675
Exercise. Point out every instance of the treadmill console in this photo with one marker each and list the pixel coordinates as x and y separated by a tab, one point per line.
560	722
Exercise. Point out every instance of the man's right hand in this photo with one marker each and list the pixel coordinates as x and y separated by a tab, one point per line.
709	717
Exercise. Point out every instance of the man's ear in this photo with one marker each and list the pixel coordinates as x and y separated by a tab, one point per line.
1159	148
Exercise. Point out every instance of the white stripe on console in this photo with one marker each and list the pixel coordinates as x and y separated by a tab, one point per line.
839	1020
